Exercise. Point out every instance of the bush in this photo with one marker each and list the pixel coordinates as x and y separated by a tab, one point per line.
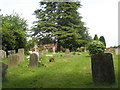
96	47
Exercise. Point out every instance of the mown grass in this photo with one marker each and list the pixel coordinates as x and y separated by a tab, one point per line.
65	72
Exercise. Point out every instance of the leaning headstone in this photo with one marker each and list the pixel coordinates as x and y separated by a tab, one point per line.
34	60
102	68
21	54
3	70
13	60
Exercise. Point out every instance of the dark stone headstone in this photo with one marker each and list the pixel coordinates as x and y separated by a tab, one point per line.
3	70
102	68
34	58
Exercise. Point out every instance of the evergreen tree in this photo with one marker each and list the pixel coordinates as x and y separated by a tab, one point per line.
95	37
61	21
102	39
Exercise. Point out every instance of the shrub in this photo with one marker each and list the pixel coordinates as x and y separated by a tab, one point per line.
96	47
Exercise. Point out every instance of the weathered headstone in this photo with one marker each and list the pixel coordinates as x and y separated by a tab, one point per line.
102	68
3	70
21	54
117	51
34	59
67	53
53	50
2	54
13	60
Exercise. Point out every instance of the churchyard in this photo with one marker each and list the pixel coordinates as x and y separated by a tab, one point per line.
65	70
57	51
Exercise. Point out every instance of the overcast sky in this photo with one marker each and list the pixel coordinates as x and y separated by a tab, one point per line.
100	16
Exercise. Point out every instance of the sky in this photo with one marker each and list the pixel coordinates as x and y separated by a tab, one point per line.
100	16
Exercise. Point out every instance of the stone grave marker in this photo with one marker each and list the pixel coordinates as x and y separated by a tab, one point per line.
2	54
13	60
3	70
117	51
67	53
34	60
102	68
21	54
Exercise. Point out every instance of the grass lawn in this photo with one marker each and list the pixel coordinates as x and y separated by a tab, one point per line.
65	72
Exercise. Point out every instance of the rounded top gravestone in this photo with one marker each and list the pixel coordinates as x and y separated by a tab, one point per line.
34	58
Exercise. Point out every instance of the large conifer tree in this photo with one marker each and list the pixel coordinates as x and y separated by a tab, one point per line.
61	21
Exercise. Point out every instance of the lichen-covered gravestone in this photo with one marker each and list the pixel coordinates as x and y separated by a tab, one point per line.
3	70
2	54
34	60
13	60
21	54
102	68
67	53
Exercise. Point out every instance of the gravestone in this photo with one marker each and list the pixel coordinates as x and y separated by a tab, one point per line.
117	51
13	60
67	53
102	68
21	54
3	70
53	50
34	59
2	54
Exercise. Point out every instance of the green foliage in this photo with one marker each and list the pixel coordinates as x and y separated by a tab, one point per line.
62	24
13	32
102	39
95	37
96	47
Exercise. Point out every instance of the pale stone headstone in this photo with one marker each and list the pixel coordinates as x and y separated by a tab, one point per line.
3	70
117	51
34	60
53	50
67	51
13	60
2	54
103	68
21	54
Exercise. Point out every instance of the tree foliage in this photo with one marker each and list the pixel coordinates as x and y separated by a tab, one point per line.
96	47
62	23
13	32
